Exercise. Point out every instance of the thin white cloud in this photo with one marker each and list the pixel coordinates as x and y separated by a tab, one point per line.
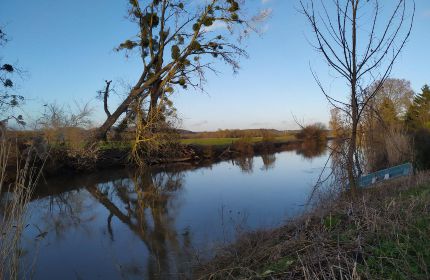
202	123
260	124
215	26
265	1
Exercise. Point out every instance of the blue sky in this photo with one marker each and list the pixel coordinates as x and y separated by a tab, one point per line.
66	47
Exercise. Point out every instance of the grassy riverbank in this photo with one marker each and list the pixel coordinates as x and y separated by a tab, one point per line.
381	233
74	154
229	141
72	150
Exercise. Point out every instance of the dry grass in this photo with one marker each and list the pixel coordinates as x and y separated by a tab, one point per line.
381	233
14	199
399	147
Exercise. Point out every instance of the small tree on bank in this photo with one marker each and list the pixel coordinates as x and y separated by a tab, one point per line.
361	42
313	132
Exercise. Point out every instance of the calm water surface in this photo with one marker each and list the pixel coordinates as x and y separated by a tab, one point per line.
121	224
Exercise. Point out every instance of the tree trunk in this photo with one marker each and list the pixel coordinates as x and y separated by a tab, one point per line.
154	96
354	106
130	115
105	99
101	132
352	178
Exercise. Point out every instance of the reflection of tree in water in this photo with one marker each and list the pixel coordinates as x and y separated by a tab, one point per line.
339	160
269	160
310	149
146	205
246	164
333	177
63	212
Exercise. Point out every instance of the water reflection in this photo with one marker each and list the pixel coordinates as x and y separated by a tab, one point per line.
310	149
150	224
268	161
245	163
65	211
145	205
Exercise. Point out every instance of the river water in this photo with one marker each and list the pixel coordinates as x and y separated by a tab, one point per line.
124	224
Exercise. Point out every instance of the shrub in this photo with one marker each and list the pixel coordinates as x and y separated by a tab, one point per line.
268	136
315	132
244	146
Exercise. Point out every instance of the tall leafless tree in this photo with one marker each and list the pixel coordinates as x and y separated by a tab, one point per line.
360	40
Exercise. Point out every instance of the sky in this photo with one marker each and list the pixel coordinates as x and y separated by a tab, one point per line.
67	51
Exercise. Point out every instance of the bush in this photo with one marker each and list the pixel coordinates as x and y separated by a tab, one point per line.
244	146
268	136
315	132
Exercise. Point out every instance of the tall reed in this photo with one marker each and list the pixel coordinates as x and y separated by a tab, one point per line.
15	195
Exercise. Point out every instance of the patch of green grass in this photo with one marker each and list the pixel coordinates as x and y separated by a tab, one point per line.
280	265
346	231
209	141
285	138
404	253
403	257
109	145
332	221
422	191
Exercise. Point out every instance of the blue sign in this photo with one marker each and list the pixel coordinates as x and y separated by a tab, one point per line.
386	174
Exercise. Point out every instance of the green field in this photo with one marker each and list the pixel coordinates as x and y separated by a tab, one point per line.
229	141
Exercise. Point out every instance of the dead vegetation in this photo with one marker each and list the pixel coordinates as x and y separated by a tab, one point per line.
14	199
382	233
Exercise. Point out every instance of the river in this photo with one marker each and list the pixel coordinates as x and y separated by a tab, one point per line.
124	224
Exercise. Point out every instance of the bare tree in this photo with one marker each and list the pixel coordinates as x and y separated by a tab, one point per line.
361	41
104	95
178	41
64	124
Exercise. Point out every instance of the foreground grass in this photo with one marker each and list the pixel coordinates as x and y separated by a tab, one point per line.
382	233
229	141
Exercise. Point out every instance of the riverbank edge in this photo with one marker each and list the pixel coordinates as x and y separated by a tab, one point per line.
62	160
380	233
